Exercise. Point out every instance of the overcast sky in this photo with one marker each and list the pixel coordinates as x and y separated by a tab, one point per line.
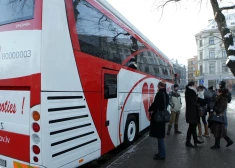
175	33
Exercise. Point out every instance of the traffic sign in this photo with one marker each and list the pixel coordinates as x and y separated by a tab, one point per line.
201	81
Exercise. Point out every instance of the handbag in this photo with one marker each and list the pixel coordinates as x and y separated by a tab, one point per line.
162	116
218	119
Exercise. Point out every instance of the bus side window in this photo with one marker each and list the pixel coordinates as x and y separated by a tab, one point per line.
110	86
101	37
152	64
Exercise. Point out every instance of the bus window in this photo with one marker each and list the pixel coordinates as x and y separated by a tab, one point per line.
152	64
110	86
16	11
101	37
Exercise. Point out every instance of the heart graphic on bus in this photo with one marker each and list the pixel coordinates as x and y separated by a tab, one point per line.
147	96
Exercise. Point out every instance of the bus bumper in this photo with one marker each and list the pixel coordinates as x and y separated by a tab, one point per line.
7	162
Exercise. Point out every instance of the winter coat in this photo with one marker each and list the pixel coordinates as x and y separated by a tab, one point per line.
175	101
192	114
157	130
220	106
211	100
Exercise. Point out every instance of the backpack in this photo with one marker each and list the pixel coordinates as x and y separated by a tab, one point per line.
214	96
208	94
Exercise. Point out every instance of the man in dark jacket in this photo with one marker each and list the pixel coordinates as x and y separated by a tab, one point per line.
229	98
192	114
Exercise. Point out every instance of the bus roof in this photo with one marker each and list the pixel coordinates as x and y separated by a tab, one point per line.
112	10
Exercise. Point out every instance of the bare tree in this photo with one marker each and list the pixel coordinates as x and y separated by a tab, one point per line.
225	32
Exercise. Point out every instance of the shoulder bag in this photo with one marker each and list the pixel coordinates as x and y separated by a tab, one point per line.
162	116
216	118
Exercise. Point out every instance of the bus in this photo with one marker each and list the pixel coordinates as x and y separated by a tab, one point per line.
76	81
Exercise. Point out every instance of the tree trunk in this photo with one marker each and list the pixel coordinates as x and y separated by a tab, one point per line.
225	34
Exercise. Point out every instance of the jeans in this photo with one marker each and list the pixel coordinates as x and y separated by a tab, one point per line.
174	117
161	148
225	119
192	131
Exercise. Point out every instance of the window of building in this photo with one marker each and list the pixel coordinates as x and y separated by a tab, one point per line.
200	43
201	70
99	36
212	54
212	68
201	55
224	54
224	68
211	41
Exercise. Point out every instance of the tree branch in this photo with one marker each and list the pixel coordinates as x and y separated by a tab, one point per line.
163	5
228	7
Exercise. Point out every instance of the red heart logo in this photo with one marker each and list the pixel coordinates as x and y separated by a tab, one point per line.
147	96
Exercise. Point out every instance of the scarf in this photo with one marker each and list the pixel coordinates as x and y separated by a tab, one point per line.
201	94
190	87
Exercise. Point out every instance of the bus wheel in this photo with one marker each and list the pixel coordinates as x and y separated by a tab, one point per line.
130	130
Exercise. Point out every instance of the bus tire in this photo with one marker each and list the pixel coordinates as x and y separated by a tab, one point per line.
131	130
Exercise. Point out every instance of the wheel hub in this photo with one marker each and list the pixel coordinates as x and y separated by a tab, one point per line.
131	131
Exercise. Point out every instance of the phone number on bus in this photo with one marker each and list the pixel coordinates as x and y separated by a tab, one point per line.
16	55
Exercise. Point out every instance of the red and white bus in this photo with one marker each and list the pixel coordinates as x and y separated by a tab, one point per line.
76	81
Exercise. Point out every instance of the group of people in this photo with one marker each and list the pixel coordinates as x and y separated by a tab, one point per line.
199	102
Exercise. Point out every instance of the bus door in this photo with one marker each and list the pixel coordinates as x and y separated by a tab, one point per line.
109	109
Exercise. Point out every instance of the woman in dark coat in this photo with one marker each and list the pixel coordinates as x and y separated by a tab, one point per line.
218	129
157	130
192	114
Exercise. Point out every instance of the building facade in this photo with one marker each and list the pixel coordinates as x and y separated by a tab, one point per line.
180	69
212	55
192	69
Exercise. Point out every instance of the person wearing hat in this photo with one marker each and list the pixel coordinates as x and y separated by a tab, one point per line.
176	104
218	129
229	98
157	130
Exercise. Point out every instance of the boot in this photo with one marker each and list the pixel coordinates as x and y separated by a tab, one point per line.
196	141
189	144
176	129
229	141
217	144
199	130
206	131
169	129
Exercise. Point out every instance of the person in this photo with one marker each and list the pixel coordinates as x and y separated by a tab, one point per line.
157	130
218	129
192	114
229	97
202	105
211	97
175	103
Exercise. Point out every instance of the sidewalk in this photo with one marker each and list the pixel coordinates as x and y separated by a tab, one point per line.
141	154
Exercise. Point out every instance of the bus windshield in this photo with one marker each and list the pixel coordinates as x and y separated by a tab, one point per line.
16	10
